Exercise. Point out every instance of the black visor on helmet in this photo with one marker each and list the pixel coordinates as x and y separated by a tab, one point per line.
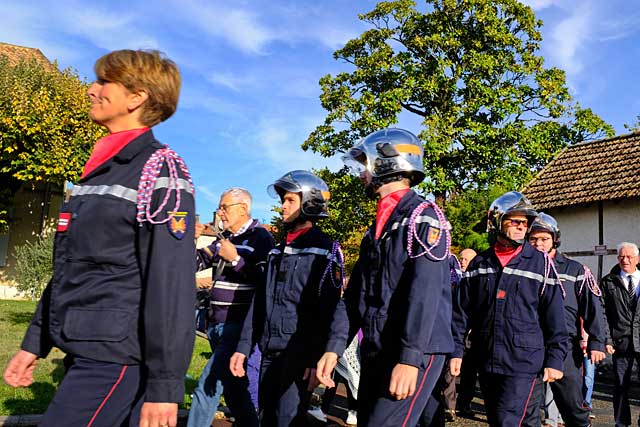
386	150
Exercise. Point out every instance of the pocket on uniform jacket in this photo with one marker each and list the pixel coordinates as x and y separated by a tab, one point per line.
373	329
289	325
83	324
533	341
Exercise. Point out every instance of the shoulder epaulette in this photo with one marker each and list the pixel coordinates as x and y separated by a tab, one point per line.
148	179
412	233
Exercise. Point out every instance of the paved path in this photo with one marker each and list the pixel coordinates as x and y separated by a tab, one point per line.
603	410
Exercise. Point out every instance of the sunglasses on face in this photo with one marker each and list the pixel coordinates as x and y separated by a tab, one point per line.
516	222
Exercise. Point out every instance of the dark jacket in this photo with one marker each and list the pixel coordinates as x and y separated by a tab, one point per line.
122	292
623	316
582	308
515	315
402	304
293	310
233	291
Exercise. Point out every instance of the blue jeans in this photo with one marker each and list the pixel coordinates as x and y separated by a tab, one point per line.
589	378
551	414
217	377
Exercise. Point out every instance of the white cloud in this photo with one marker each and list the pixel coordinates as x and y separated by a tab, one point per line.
201	100
619	27
14	31
230	80
539	4
576	39
240	28
48	26
569	38
333	38
280	143
106	29
208	193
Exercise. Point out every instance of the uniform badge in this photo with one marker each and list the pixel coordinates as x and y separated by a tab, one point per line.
501	294
433	235
178	224
64	219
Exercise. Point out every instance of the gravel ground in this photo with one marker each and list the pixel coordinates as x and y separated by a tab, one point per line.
602	407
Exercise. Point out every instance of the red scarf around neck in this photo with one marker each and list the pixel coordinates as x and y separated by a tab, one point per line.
107	147
506	253
386	205
293	235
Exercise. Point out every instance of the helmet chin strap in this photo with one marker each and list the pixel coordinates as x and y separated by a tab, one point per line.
300	219
510	242
371	190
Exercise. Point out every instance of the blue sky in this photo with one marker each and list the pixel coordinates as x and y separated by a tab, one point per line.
251	69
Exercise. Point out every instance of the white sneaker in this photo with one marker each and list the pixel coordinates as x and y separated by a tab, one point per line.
317	413
352	418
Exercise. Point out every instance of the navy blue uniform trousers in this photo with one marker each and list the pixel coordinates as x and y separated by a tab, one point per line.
96	394
567	392
377	408
283	396
507	399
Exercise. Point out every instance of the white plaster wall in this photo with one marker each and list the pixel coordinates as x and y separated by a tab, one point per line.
579	228
579	231
621	224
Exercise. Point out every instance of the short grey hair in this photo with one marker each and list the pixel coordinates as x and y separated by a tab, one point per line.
240	194
633	246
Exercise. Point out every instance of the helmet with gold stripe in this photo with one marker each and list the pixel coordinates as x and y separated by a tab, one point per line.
387	154
314	192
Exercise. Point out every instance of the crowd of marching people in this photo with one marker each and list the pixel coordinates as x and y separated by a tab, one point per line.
526	321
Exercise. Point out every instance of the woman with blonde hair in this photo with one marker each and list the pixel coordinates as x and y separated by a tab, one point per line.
120	302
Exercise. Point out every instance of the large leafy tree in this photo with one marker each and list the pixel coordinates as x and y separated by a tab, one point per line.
467	213
45	132
490	112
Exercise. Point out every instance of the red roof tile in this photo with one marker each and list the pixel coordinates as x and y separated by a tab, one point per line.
588	172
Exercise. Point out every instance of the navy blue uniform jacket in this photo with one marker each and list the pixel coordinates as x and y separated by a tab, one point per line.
122	292
402	304
292	311
580	303
516	328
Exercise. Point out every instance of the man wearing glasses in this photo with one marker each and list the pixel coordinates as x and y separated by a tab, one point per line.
511	300
620	293
238	259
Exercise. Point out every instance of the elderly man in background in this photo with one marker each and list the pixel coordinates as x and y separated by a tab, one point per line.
469	371
620	293
466	255
238	258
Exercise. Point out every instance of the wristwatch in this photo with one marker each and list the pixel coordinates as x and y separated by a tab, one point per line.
235	261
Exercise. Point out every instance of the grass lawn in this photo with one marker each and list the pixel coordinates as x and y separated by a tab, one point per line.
14	319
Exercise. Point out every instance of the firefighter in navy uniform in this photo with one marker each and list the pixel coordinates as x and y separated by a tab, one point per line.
291	314
511	300
120	302
399	292
582	309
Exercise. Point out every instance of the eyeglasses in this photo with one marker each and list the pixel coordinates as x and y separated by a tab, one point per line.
626	256
516	222
533	240
224	208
